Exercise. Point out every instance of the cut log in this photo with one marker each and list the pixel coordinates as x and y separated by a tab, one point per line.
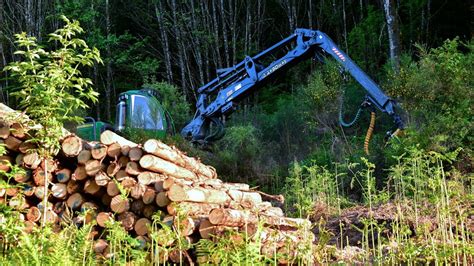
98	151
22	176
33	214
18	130
75	201
92	167
246	199
137	207
49	164
84	156
119	204
191	209
72	186
185	193
127	219
229	217
128	183
170	181
108	137
112	169
18	203
91	187
162	199
148	178
159	165
135	154
11	191
104	217
51	217
185	225
149	211
5	162
112	189
31	160
80	173
121	175
27	147
125	150
18	158
71	146
100	245
123	160
159	186
102	179
141	226
28	189
149	196
39	177
59	191
4	131
114	150
166	152
63	175
133	168
137	191
12	143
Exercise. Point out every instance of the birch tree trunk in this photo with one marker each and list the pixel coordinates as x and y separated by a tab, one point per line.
393	32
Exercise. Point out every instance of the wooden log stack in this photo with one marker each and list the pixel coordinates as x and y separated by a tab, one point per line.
118	180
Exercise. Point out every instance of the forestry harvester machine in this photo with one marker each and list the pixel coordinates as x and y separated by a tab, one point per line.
218	98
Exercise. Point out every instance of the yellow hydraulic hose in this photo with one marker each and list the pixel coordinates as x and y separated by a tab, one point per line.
370	130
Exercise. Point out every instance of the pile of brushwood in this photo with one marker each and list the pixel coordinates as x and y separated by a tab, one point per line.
118	180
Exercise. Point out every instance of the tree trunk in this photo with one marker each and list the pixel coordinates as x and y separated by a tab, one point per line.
393	32
224	33
108	82
177	33
164	39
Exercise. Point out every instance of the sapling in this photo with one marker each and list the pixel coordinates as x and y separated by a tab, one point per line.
51	88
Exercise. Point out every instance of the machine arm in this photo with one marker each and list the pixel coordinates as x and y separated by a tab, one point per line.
218	98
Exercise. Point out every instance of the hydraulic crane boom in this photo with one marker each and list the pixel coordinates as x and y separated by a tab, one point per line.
233	84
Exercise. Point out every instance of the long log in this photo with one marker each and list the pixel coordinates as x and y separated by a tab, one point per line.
156	164
229	217
147	178
186	193
108	137
166	152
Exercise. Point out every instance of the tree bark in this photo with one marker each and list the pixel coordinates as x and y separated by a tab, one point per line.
393	32
164	39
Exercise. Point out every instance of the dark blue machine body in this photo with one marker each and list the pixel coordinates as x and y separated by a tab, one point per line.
233	84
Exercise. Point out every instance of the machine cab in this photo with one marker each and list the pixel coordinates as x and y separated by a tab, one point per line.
141	110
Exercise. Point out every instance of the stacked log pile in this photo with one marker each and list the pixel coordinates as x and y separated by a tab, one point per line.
118	180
